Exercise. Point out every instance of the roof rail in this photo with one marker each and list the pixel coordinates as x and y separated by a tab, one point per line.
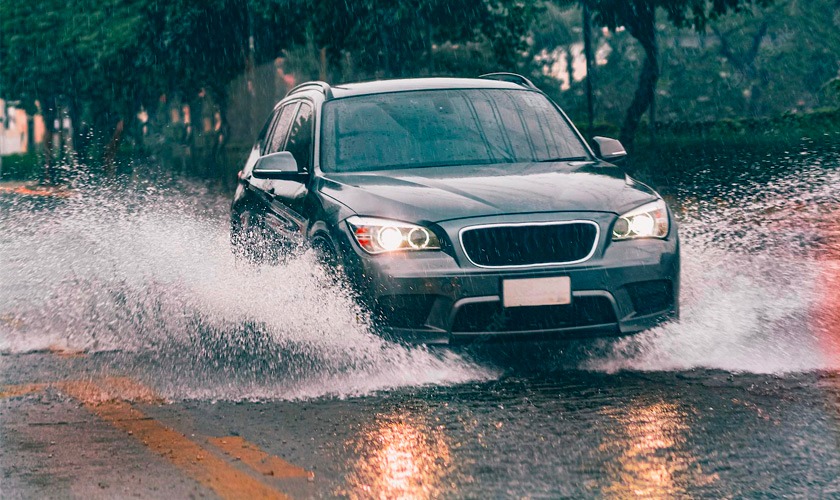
324	86
512	78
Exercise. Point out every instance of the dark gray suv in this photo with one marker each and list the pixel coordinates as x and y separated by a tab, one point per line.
460	209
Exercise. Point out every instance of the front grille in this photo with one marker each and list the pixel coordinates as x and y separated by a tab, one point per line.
531	244
492	317
650	297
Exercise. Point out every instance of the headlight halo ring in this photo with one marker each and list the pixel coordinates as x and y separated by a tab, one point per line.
371	234
658	227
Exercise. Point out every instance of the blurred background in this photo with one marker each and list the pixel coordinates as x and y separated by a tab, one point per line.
106	86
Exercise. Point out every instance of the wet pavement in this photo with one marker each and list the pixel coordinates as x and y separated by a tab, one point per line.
135	360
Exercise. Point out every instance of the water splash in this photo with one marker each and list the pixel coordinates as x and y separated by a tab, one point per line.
757	263
147	281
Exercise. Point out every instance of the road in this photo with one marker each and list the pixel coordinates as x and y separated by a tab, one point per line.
137	359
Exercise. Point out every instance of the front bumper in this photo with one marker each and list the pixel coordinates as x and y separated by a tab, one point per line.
441	297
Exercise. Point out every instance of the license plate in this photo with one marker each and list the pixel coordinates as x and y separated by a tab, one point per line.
537	292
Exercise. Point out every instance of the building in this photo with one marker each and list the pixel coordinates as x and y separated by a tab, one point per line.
15	129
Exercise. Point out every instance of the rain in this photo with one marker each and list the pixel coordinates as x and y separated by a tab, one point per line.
166	331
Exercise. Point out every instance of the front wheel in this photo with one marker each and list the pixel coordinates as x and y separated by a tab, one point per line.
327	255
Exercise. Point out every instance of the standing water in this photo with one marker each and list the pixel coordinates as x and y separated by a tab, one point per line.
142	278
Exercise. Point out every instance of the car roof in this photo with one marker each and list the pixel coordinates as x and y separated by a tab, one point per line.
409	84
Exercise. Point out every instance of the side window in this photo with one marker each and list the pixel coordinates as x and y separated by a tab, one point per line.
300	138
264	132
281	129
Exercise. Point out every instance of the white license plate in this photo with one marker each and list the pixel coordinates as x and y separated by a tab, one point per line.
537	292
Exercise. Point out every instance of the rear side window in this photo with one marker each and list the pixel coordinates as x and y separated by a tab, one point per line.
277	139
300	138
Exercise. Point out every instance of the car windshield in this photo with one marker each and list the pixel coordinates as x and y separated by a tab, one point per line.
442	128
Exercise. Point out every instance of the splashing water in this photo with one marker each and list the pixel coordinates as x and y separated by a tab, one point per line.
147	280
758	266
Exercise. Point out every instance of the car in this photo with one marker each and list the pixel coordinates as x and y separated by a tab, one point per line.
460	209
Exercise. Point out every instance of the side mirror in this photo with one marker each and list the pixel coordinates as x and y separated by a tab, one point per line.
280	165
609	149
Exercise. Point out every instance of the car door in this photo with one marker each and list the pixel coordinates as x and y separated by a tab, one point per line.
263	190
288	196
283	199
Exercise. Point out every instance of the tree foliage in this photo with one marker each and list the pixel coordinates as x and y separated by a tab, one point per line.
102	60
395	38
639	18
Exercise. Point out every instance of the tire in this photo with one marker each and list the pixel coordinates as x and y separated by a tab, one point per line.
327	256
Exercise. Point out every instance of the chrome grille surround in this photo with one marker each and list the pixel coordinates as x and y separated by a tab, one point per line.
588	256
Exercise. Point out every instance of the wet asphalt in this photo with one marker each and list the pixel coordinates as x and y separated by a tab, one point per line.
567	433
739	399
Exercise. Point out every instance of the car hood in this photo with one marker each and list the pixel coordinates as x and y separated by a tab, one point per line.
445	193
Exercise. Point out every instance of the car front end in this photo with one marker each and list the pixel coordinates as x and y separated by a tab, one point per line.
554	275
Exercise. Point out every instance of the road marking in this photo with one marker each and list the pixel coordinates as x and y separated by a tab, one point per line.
47	191
64	352
107	401
13	391
11	321
109	389
112	399
254	457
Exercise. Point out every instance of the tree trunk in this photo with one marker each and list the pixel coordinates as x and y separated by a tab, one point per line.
31	147
81	132
643	28
48	173
570	65
745	63
430	52
111	149
590	68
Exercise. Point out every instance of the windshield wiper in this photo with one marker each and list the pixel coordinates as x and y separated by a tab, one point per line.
569	158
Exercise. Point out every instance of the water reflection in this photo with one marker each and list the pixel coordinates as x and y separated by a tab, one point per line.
652	459
399	456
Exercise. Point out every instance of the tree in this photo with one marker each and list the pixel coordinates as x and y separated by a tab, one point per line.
639	18
386	38
101	60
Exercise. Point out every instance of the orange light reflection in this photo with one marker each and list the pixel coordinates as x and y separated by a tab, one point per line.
652	460
399	457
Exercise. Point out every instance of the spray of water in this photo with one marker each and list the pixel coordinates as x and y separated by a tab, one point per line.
144	279
758	258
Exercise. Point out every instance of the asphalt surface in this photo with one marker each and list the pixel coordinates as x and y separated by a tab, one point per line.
136	360
568	433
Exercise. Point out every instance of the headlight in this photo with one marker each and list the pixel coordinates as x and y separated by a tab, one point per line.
383	235
647	221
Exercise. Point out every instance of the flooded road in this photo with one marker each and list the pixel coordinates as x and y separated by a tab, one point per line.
137	360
